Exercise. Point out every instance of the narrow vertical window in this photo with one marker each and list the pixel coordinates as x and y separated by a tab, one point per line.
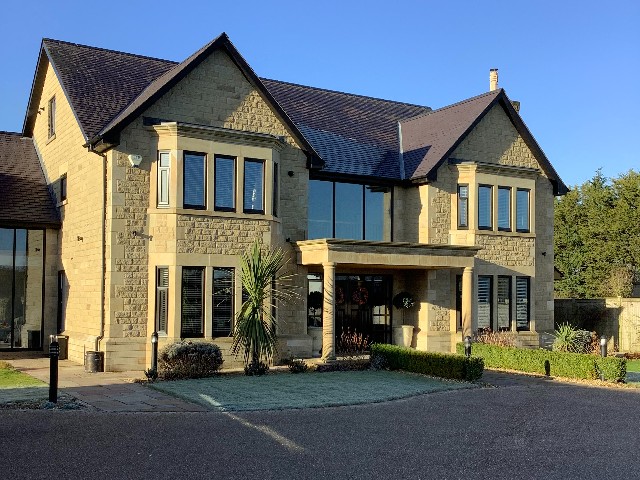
522	303
162	299
51	117
276	190
374	212
63	187
253	186
225	183
194	180
504	208
504	303
485	297
192	324
458	302
463	206
223	296
485	220
522	210
63	297
164	162
320	216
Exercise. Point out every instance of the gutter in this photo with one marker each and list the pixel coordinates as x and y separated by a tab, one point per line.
103	246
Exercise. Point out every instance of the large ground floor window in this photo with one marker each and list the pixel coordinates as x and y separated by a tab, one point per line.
21	284
496	309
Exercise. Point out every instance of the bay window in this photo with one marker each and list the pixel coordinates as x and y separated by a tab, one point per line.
253	186
194	176
225	180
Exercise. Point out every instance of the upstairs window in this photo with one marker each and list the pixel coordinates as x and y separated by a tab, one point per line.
63	187
463	206
194	180
253	186
504	208
485	217
225	180
276	190
522	210
164	162
51	117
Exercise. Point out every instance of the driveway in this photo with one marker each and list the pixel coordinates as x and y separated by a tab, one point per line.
524	428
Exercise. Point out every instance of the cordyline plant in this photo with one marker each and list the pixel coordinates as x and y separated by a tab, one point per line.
254	333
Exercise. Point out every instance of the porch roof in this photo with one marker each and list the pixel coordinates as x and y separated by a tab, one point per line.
402	255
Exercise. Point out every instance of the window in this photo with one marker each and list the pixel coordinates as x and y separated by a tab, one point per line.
374	213
192	302
504	304
63	187
348	211
194	180
63	299
458	303
253	186
223	296
522	210
320	209
485	297
164	162
162	299
225	181
485	220
276	190
315	300
522	303
51	117
504	208
463	206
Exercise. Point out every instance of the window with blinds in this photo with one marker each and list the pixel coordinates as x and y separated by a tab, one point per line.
485	296
458	302
163	178
253	186
522	210
194	176
224	183
223	296
504	303
192	324
504	208
485	220
463	206
522	303
276	190
162	299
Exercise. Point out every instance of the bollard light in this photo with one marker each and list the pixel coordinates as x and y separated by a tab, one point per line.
603	345
467	346
154	351
54	354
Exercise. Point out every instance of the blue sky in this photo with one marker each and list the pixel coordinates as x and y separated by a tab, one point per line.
573	65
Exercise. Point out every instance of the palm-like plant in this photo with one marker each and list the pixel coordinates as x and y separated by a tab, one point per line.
254	332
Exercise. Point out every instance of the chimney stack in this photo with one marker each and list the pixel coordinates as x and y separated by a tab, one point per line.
493	79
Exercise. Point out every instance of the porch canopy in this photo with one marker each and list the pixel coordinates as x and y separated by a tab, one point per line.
331	252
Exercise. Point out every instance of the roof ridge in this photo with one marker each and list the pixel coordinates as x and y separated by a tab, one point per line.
109	50
461	102
345	93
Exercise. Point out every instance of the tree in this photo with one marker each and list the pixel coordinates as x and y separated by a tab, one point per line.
255	326
597	237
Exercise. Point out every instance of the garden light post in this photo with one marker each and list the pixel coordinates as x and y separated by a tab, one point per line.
54	354
467	346
154	351
603	345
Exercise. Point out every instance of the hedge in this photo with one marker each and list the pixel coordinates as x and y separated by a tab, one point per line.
445	365
545	362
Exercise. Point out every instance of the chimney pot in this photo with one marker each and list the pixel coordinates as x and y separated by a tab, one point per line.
493	79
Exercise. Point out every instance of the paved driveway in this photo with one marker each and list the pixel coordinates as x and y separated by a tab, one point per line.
523	429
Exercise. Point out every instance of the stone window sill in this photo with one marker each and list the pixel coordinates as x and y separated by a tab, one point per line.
209	213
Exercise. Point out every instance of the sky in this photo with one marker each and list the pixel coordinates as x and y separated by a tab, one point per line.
573	65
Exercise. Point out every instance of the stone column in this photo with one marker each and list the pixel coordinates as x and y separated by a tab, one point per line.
467	302
328	312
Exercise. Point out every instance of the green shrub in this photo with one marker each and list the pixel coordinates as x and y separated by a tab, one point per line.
445	365
544	362
297	365
569	339
182	360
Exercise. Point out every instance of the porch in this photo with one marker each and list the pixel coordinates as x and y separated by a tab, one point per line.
341	263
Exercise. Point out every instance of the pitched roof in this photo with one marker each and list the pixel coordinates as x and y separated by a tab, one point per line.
25	198
354	134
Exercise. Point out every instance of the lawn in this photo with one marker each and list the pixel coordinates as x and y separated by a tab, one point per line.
307	390
16	386
633	366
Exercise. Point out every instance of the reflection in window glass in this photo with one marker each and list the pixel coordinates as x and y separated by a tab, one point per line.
348	211
463	206
504	208
485	295
223	296
522	303
374	213
320	209
504	305
253	186
192	305
225	179
522	210
194	176
484	207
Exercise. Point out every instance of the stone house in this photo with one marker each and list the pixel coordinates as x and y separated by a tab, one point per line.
162	173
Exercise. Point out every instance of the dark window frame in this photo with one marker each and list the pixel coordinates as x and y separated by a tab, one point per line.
490	226
276	190
51	117
509	209
252	211
509	298
458	303
528	300
528	229
491	305
63	187
234	180
190	206
203	287
222	332
160	288
464	226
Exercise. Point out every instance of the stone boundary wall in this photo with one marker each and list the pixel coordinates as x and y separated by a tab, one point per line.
618	318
